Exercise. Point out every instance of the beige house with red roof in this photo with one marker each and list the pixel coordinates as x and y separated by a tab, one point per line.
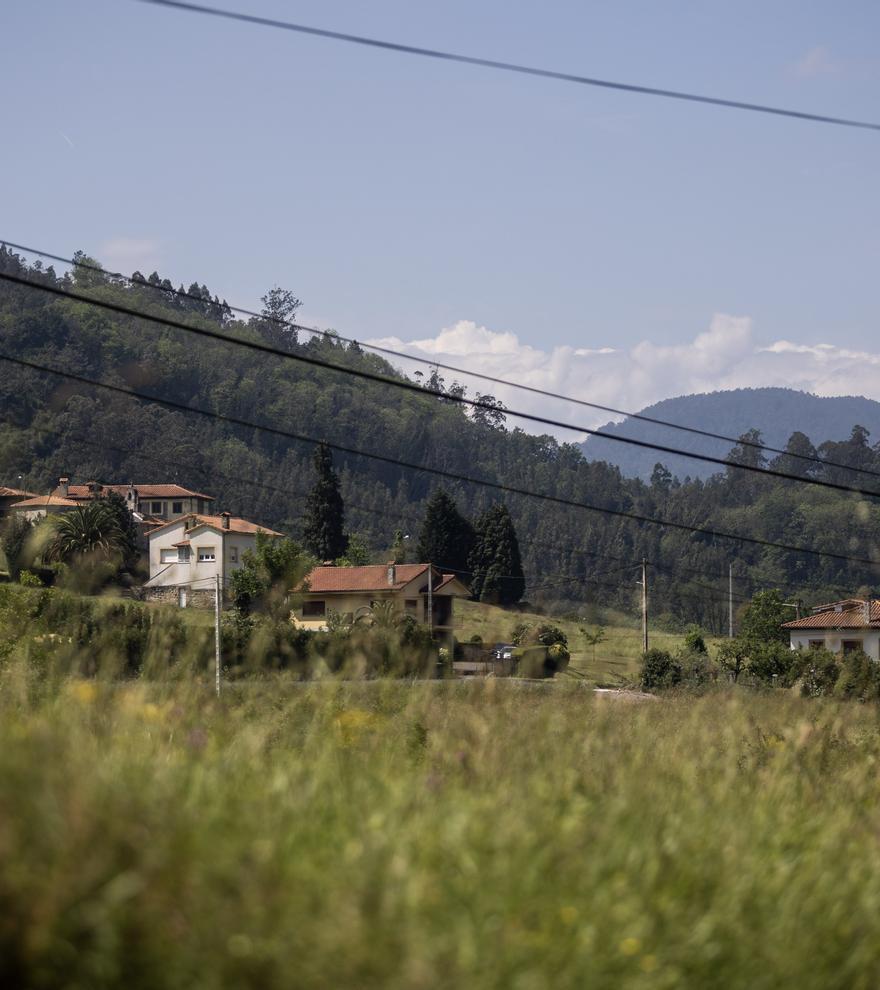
9	496
351	591
188	554
841	627
151	502
38	506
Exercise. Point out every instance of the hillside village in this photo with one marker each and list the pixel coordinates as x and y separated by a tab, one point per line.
188	553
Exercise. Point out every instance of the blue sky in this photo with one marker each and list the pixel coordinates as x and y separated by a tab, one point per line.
397	196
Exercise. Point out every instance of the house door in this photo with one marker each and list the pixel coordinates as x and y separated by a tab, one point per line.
181	597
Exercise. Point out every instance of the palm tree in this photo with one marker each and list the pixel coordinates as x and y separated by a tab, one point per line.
380	615
89	529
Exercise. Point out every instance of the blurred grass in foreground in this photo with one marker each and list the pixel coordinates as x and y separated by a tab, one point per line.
436	835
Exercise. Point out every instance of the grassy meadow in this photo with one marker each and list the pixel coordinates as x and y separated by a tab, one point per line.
613	661
436	835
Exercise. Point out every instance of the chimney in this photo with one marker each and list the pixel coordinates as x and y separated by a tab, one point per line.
392	574
63	486
868	611
225	516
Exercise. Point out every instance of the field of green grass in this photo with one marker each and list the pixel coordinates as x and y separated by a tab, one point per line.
439	835
613	661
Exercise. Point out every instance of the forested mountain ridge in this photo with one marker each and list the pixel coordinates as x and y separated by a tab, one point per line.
776	412
572	558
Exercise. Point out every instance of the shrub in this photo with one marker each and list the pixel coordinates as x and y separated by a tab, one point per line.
770	662
558	658
859	678
814	672
545	634
694	642
27	579
697	670
659	670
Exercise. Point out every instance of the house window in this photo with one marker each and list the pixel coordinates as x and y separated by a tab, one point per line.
183	555
206	555
851	645
314	609
177	508
169	556
816	644
233	555
411	605
156	508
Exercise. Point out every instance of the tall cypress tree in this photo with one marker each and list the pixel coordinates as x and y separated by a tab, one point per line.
495	561
324	528
446	538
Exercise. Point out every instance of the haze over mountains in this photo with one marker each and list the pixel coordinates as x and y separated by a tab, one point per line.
776	412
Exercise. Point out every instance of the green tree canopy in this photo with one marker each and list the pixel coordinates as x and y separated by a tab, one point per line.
446	538
324	527
89	529
495	562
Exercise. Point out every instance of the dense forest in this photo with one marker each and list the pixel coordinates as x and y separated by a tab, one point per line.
574	560
776	412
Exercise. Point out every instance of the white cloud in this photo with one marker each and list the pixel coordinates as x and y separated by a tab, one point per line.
816	62
725	356
130	253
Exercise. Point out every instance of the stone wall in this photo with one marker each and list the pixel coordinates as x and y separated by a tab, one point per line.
168	595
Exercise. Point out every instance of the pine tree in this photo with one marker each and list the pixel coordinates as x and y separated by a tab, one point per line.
324	528
495	561
446	538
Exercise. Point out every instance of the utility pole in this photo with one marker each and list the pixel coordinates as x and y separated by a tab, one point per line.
217	633
430	602
730	600
644	605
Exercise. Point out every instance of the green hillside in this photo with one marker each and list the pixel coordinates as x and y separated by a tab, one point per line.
574	560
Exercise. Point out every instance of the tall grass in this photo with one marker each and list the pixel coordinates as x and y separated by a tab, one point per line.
454	835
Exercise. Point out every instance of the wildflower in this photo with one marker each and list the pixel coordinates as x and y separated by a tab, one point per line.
84	691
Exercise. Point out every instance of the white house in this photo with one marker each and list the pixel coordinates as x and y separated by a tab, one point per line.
187	554
841	627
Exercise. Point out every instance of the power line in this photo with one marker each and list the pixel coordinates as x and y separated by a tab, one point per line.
564	580
411	513
439	472
488	63
408	512
402	355
412	387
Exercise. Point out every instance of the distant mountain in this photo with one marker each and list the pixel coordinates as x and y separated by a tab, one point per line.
776	412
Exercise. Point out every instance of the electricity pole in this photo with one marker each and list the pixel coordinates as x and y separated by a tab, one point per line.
217	633
730	600
644	605
430	602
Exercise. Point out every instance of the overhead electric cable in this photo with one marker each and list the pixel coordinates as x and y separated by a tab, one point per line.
438	472
402	355
412	514
412	387
488	63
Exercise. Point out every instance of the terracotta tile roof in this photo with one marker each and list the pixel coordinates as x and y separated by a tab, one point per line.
144	491
16	493
43	500
450	579
371	577
236	524
850	616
